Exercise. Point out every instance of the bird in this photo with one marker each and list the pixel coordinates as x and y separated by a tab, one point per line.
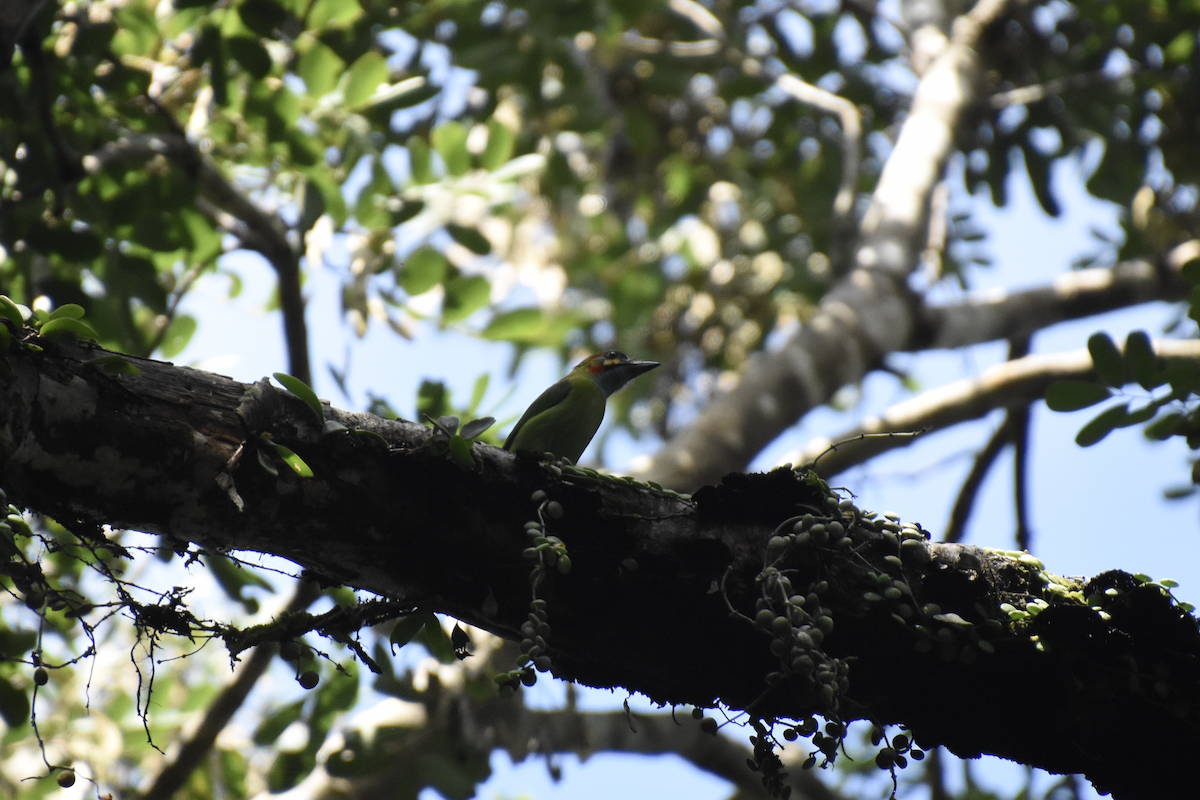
566	416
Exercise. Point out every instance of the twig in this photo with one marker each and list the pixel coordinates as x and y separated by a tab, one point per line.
1040	91
221	710
1013	384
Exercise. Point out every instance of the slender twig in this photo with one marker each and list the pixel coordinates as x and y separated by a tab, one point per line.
1013	384
1025	95
194	749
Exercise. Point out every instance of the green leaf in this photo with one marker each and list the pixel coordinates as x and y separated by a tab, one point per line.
1164	427
464	296
115	365
518	325
292	460
301	390
334	14
1104	424
14	704
10	310
469	238
66	326
437	641
250	53
1179	50
477	426
367	74
419	161
499	148
1142	361
422	270
477	392
179	333
277	723
432	399
320	68
460	451
371	207
233	578
450	141
1072	395
67	311
6	339
1107	359
408	627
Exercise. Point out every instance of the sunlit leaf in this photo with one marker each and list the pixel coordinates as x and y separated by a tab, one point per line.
177	336
294	461
450	141
320	68
10	310
68	311
68	326
301	390
422	270
366	75
499	146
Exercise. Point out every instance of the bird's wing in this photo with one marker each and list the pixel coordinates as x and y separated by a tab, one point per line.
551	397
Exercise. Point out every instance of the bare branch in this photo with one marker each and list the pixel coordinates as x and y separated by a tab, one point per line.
1072	83
865	315
987	316
1013	384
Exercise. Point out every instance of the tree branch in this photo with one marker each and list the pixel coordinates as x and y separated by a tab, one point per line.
683	579
196	747
863	316
1013	384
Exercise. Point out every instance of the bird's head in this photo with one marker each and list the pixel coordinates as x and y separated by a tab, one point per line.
611	370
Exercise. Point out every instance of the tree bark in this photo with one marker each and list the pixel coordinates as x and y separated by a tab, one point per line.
978	650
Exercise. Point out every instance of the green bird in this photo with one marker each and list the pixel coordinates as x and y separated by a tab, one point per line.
567	415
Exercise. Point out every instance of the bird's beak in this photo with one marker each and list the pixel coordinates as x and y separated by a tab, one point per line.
639	367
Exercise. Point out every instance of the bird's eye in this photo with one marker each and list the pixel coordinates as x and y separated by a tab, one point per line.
613	355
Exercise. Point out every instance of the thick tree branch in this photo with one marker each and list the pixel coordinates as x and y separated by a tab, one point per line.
682	579
863	316
1013	384
991	315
